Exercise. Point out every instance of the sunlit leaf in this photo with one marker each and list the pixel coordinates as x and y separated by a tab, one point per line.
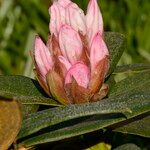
10	122
100	146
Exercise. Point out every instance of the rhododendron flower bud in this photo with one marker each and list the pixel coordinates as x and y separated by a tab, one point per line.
98	51
70	43
80	72
61	13
73	65
43	61
77	22
94	21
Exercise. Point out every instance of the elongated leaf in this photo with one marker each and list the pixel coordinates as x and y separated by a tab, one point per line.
135	82
137	100
138	126
42	119
10	122
29	108
138	103
24	89
132	67
116	44
138	82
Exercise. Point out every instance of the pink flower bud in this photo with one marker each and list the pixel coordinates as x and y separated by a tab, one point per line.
98	51
66	12
73	65
57	13
43	57
55	84
70	44
75	18
80	72
64	3
94	20
65	62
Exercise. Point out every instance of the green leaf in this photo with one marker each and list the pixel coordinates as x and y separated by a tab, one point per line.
135	82
24	89
128	146
132	67
139	82
43	119
138	126
116	45
110	81
28	109
137	100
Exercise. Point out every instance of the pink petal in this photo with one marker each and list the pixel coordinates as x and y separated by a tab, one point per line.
66	12
42	56
75	18
98	50
65	62
80	72
94	20
57	18
70	44
64	3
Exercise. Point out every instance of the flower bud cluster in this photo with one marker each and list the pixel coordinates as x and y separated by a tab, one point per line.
73	64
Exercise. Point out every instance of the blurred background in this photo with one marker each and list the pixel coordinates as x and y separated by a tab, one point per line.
20	20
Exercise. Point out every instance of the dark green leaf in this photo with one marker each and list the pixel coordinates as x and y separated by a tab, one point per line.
137	102
116	44
49	117
136	82
138	126
132	67
110	81
28	109
135	99
24	89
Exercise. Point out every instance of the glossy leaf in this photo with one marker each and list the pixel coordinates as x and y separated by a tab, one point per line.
116	45
10	122
24	89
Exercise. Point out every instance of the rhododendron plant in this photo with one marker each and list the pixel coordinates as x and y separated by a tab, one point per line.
76	70
72	66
